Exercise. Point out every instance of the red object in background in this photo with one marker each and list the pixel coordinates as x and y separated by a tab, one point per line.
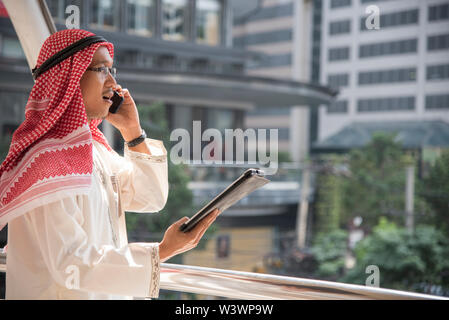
3	12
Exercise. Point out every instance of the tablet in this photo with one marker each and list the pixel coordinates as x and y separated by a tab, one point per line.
249	181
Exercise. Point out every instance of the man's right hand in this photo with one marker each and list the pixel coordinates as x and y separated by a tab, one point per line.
175	241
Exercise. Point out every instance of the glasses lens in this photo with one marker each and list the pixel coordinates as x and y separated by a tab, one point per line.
113	72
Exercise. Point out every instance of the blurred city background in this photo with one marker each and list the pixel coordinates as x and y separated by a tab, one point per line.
362	117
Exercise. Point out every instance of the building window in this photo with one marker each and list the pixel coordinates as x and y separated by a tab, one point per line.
438	72
340	27
435	102
270	37
276	60
439	42
336	54
258	112
12	105
8	130
388	48
220	119
387	76
283	8
11	48
394	19
127	57
365	1
208	21
340	106
316	40
105	14
174	20
223	246
283	133
340	3
439	12
141	17
338	80
386	104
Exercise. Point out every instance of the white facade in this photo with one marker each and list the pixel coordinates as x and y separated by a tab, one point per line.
330	123
295	26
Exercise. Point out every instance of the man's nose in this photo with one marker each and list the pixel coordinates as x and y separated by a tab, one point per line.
110	79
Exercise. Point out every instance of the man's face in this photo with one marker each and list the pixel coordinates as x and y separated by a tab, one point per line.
95	86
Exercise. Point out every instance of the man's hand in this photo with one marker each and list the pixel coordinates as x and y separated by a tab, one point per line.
175	241
126	120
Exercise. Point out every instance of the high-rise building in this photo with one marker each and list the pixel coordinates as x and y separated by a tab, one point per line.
282	31
387	76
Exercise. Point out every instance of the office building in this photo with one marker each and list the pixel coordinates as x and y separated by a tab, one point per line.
394	78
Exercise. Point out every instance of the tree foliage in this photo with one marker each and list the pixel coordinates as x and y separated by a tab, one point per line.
435	191
329	204
329	250
368	182
405	259
377	181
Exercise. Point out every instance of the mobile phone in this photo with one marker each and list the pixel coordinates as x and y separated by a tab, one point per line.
117	101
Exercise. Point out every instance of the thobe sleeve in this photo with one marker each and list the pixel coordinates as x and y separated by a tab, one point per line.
144	178
75	263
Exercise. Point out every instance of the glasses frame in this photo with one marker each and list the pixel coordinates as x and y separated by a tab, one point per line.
109	71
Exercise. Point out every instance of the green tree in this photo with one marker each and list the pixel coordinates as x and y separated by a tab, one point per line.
405	259
367	182
376	182
373	186
330	193
435	190
283	156
329	250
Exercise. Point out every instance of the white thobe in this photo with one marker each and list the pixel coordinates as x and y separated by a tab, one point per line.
76	247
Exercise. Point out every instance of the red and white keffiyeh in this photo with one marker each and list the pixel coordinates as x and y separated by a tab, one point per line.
51	152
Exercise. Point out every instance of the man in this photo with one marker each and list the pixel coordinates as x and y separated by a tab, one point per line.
63	190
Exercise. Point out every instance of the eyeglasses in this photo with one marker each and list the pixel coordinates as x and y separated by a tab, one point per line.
105	71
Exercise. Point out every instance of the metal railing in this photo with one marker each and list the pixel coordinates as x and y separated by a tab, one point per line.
248	285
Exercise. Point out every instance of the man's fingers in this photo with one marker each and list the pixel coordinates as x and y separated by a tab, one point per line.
180	221
118	88
205	224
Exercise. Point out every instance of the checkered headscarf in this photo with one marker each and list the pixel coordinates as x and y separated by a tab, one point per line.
51	152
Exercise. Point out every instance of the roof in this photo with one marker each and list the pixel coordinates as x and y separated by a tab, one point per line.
412	134
223	90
